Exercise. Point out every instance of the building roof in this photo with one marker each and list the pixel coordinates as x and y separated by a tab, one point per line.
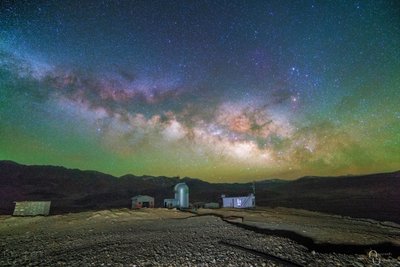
250	195
171	199
141	196
31	208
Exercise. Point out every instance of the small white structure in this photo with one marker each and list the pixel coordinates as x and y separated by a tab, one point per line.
239	202
171	203
32	208
142	201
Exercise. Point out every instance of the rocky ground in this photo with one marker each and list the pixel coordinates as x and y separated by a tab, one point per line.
321	227
164	238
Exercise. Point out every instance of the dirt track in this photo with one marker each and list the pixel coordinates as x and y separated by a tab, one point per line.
153	238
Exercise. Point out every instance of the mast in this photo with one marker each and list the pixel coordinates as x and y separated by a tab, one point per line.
254	193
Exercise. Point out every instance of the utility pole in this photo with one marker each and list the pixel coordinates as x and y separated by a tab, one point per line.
254	192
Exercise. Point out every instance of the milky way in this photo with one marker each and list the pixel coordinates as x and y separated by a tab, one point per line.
219	90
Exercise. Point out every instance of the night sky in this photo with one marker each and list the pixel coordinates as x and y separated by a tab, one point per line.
219	90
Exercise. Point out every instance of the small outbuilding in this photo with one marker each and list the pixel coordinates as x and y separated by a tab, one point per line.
142	201
171	203
198	205
32	208
211	205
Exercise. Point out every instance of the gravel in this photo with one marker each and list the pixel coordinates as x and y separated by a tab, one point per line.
197	241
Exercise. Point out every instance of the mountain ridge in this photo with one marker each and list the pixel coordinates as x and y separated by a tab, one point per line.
193	178
372	196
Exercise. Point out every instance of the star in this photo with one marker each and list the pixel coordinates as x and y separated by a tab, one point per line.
220	91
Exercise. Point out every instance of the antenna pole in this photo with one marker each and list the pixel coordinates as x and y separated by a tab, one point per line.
254	193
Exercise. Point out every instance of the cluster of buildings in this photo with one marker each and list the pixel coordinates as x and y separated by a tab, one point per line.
180	201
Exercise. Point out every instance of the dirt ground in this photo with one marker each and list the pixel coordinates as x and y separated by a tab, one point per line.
85	220
323	228
161	237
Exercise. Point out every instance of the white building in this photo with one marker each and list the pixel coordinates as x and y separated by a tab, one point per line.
239	202
181	200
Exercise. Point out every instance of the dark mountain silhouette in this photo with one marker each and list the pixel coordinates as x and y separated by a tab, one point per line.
375	196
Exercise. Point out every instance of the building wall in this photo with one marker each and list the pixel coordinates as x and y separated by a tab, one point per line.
182	195
171	203
239	202
137	202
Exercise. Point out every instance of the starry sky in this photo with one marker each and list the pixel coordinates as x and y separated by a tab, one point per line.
225	91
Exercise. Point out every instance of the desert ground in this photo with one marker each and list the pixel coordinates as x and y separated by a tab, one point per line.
221	237
320	227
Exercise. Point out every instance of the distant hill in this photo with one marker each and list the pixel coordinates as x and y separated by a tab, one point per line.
375	196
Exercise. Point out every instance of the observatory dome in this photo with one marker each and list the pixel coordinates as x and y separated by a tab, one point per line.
182	194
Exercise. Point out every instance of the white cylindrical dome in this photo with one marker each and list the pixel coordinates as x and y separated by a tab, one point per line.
182	195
